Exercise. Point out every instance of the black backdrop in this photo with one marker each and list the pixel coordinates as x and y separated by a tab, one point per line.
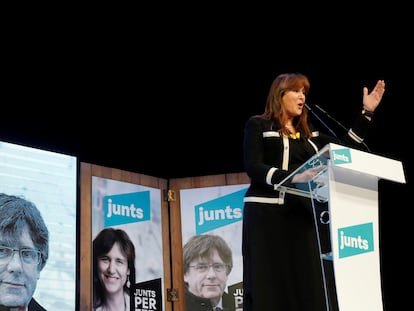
171	103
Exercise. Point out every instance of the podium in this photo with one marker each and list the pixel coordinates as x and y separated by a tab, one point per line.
344	196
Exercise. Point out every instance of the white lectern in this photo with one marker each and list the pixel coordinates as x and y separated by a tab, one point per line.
344	196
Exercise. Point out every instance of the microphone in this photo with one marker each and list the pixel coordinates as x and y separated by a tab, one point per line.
335	120
320	120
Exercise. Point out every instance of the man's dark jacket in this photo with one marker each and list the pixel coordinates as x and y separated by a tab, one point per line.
33	306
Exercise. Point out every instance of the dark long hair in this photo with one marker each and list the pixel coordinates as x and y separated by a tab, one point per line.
102	244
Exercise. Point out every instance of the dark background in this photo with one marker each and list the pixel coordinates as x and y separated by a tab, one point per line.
170	100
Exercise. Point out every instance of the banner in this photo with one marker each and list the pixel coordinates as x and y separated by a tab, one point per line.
136	210
218	211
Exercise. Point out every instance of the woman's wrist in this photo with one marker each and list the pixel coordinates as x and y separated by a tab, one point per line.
366	112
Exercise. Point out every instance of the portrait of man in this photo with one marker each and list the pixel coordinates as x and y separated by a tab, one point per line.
38	229
207	260
24	251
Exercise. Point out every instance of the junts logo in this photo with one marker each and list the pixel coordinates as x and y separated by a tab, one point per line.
127	208
355	240
341	156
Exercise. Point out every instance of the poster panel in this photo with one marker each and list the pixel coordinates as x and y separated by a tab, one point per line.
218	211
136	210
49	180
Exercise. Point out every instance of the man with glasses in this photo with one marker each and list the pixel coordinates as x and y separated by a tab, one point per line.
24	250
207	260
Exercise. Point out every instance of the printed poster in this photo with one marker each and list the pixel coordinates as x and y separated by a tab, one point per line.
218	211
135	209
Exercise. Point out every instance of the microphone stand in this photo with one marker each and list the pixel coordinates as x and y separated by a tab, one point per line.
320	120
336	121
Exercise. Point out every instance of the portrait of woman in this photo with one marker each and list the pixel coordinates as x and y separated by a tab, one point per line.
113	270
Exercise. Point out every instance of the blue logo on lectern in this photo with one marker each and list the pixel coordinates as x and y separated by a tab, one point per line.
341	156
355	240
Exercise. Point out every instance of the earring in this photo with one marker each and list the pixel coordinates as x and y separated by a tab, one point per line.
128	282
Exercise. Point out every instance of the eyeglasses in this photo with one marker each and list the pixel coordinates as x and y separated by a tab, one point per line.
217	267
29	256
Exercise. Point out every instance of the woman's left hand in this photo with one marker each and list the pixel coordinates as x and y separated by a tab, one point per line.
371	101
